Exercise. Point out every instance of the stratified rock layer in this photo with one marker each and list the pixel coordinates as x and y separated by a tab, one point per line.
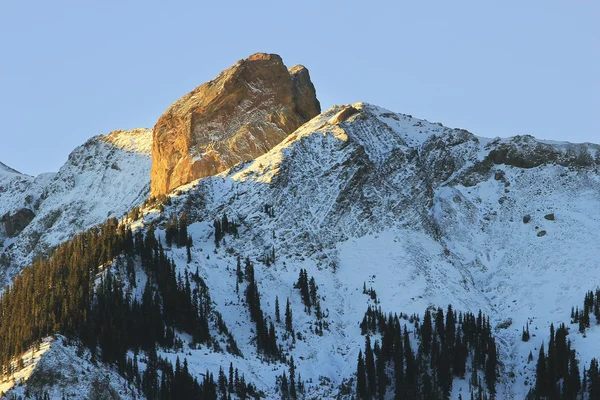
243	113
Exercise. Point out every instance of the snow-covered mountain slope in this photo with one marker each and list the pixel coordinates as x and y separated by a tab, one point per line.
424	214
59	370
103	178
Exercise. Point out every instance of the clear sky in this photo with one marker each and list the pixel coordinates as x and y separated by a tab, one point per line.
71	69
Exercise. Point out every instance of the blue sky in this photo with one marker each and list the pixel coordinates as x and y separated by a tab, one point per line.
73	69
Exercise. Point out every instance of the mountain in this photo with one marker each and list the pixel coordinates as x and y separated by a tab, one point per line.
105	177
357	213
241	114
425	214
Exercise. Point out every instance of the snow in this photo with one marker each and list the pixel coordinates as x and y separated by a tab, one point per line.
30	360
134	141
62	370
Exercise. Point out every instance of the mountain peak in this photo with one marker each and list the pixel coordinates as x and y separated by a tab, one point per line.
264	57
242	113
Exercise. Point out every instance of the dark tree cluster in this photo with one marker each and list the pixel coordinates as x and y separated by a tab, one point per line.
591	380
557	371
56	294
269	257
224	226
445	344
161	381
83	292
591	304
308	292
266	337
176	231
290	386
371	292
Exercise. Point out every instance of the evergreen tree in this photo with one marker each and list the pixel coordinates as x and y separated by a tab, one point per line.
288	317
361	380
188	247
491	368
285	391
277	316
370	368
541	375
239	274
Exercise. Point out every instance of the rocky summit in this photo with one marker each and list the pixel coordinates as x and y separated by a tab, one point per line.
241	114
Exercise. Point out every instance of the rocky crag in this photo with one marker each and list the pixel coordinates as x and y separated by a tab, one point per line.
244	112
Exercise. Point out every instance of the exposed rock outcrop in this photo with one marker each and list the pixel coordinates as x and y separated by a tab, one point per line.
16	222
241	114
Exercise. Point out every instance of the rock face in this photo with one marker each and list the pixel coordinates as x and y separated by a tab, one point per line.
15	223
241	114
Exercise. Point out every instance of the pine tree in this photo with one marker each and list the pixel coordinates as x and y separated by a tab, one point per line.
231	381
573	380
292	370
541	375
370	368
288	317
426	332
525	335
218	232
491	368
188	247
361	380
380	366
277	316
239	274
398	357
285	390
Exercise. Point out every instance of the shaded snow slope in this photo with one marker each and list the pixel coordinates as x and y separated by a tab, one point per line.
103	178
